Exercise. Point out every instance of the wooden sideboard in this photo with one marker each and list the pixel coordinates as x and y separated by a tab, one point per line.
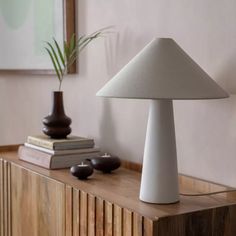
39	202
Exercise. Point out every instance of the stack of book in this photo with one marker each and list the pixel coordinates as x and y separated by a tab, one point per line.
57	153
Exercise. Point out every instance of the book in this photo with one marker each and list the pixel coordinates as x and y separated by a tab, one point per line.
52	161
71	142
63	152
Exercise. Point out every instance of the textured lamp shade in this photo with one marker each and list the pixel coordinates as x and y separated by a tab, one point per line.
162	71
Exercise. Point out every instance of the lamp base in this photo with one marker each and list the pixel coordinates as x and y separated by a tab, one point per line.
159	182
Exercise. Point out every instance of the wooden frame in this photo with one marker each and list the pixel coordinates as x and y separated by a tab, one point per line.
69	28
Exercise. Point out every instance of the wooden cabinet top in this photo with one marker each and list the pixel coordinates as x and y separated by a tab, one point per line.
122	188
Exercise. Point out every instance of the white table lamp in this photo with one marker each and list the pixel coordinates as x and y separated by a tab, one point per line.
162	71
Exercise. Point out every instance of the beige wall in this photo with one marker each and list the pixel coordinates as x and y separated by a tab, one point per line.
205	130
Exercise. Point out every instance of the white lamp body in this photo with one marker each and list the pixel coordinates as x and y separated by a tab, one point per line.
162	71
159	182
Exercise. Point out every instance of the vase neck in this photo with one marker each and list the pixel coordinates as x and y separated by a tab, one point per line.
58	106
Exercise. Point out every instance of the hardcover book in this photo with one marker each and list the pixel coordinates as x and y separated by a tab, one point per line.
52	161
71	142
63	152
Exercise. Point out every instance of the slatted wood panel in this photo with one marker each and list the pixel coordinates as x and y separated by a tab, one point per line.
93	216
38	204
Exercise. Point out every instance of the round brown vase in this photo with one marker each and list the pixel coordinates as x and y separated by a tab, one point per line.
57	124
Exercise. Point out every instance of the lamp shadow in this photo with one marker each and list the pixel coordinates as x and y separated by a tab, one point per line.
108	138
109	141
226	77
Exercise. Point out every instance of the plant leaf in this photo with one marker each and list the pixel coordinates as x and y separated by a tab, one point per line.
72	43
56	59
59	52
54	63
80	38
66	51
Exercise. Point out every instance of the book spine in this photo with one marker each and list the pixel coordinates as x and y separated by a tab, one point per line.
39	142
63	152
34	157
49	151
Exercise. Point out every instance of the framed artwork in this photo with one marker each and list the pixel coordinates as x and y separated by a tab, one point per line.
25	25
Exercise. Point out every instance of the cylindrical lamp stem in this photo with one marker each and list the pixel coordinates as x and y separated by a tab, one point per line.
159	182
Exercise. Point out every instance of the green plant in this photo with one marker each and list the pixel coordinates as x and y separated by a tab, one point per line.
63	58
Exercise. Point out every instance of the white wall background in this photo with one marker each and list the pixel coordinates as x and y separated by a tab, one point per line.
205	130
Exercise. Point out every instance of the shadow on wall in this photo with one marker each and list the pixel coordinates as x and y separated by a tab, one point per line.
227	75
108	134
121	46
107	129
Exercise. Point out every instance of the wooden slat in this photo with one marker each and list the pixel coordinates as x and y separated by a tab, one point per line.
148	227
137	224
76	212
9	209
108	218
91	215
100	211
6	199
118	220
69	211
127	222
83	213
1	198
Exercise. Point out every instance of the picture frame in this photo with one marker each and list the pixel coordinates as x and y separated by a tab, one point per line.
22	47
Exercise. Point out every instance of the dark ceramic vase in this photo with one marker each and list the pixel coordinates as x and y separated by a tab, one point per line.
57	124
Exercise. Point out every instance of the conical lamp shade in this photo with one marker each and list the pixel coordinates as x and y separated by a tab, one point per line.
162	70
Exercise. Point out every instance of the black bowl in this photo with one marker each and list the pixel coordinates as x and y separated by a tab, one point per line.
105	163
81	171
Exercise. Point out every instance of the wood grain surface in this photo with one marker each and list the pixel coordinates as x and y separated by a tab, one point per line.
37	203
59	204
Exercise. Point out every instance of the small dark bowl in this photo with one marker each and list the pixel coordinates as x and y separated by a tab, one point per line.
81	172
105	164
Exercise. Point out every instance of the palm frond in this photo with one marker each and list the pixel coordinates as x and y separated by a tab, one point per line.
56	59
59	52
63	58
54	63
